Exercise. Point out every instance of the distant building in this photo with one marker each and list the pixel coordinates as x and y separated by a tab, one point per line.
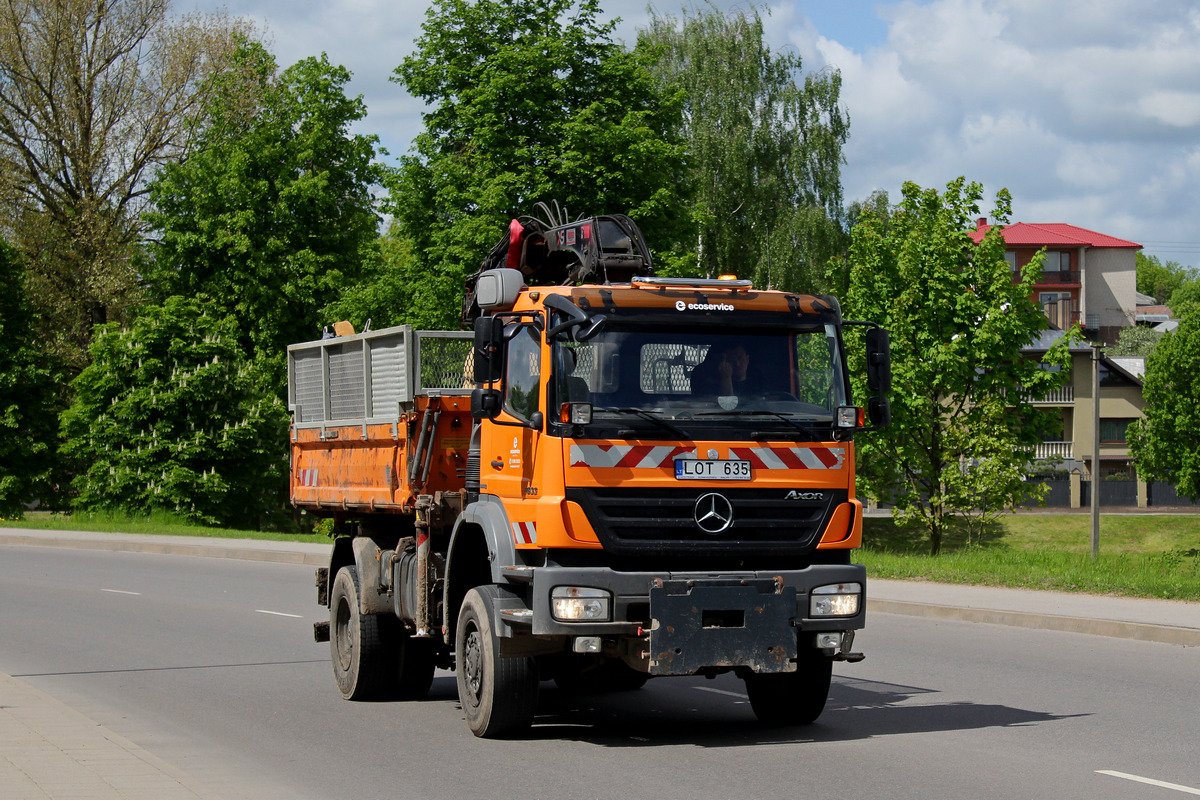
1071	443
1087	277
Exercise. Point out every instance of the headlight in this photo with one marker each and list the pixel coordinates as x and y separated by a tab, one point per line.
580	604
835	600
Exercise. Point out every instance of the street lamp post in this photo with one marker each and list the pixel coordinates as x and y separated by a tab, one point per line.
1095	450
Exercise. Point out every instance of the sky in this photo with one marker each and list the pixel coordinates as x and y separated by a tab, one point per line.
1087	111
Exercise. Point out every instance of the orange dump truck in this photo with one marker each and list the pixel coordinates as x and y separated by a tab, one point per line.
599	484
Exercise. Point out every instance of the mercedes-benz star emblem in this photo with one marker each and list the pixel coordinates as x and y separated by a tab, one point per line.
714	513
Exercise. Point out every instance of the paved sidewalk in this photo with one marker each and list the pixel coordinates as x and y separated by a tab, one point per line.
48	750
1167	621
314	553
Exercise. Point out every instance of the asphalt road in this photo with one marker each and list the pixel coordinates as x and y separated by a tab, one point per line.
210	665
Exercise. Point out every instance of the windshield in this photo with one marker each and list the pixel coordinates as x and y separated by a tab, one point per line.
667	382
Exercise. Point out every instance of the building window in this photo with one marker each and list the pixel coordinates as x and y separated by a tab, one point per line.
1113	378
1114	430
1010	258
1057	262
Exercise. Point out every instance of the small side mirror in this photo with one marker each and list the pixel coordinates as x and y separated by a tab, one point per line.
590	330
879	411
488	352
575	318
498	288
485	404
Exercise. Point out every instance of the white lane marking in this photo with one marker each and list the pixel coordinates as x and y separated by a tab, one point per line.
278	614
1151	781
738	695
118	591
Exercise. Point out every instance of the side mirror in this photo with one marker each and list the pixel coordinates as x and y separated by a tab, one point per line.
591	329
879	361
879	411
488	351
485	404
575	317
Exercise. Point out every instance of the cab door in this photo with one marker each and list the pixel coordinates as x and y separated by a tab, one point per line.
508	446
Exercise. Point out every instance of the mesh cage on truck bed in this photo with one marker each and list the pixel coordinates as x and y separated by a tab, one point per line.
373	376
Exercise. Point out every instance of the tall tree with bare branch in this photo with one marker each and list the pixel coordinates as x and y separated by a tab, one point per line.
94	96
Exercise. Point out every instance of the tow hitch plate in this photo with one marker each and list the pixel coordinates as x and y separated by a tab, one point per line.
697	625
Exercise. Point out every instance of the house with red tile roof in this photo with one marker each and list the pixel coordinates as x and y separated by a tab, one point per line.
1087	277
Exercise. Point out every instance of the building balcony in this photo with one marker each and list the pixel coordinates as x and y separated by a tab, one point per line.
1055	451
1059	397
1059	278
1065	278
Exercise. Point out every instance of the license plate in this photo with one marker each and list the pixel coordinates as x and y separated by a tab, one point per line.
711	469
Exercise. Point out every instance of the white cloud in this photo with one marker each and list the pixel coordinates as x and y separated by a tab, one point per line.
1088	111
1177	109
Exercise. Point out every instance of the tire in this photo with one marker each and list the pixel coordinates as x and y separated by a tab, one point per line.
791	698
363	658
498	695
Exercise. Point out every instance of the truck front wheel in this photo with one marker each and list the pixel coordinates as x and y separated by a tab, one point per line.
498	695
361	653
791	698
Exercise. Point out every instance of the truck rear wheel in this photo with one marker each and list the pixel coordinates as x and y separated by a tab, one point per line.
791	698
498	695
363	661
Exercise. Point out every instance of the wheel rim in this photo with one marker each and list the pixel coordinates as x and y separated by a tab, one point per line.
342	635
472	658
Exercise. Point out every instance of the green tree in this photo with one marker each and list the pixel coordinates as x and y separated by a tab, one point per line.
764	147
170	415
962	431
529	101
1185	301
95	95
384	296
27	396
1165	443
274	212
1136	341
1160	280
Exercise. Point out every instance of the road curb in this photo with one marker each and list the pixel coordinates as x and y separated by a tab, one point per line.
277	556
1117	629
317	555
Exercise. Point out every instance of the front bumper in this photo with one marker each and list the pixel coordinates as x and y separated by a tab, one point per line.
690	621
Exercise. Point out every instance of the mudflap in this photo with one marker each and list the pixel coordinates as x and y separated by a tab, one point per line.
698	625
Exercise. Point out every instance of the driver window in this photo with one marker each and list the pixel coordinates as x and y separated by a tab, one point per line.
523	377
813	370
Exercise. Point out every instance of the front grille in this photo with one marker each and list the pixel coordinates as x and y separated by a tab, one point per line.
663	521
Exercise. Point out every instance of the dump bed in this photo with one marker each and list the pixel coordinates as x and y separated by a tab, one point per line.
378	417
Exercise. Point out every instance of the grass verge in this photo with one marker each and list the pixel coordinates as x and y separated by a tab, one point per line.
1140	556
157	523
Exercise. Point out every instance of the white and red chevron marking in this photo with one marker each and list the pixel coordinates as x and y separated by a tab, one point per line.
524	532
628	456
308	477
792	457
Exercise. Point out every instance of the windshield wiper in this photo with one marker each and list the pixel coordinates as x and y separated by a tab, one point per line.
646	415
808	434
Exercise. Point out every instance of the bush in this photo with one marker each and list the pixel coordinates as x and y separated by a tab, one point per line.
172	416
